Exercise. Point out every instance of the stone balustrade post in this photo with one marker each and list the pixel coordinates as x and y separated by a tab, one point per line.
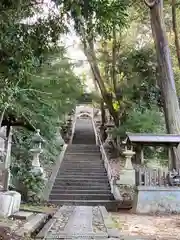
109	139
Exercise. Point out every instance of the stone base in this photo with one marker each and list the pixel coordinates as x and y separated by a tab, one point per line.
9	203
127	177
151	200
116	193
37	171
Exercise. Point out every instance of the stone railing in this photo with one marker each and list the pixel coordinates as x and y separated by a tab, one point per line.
73	128
157	177
112	179
157	191
47	190
95	132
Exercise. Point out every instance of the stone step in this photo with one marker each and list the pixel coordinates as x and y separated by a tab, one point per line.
80	191
80	176
79	188
77	196
94	146
85	165
90	147
31	225
87	137
86	184
111	205
79	180
83	150
85	155
76	165
79	148
86	162
84	170
83	159
87	147
75	173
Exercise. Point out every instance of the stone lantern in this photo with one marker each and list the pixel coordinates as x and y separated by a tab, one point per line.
109	139
128	153
127	174
108	144
59	137
36	151
69	122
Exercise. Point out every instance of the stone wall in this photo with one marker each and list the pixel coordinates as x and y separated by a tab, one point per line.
156	199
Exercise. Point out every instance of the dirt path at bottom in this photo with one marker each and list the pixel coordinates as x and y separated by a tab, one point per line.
150	227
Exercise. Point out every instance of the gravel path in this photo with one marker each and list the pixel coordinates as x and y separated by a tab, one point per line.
149	227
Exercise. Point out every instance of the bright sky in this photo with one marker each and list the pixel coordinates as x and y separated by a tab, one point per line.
71	42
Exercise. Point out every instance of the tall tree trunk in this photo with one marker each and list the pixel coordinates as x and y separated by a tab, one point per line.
114	75
174	24
90	54
103	121
166	80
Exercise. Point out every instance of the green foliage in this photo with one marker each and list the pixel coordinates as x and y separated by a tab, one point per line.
50	95
22	177
94	16
37	85
148	121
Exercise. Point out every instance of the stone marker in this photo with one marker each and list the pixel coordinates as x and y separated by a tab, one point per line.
9	203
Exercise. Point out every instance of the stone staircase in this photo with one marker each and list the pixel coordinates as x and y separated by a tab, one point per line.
82	178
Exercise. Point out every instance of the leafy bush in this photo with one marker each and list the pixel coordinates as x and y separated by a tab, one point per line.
148	121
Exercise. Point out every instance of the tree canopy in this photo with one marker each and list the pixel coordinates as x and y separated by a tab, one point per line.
132	48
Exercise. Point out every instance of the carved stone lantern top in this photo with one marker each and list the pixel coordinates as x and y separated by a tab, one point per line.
36	139
110	124
128	153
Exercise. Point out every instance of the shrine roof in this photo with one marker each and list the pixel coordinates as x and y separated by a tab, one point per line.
152	139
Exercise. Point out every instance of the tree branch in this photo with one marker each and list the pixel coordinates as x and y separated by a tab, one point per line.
18	123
